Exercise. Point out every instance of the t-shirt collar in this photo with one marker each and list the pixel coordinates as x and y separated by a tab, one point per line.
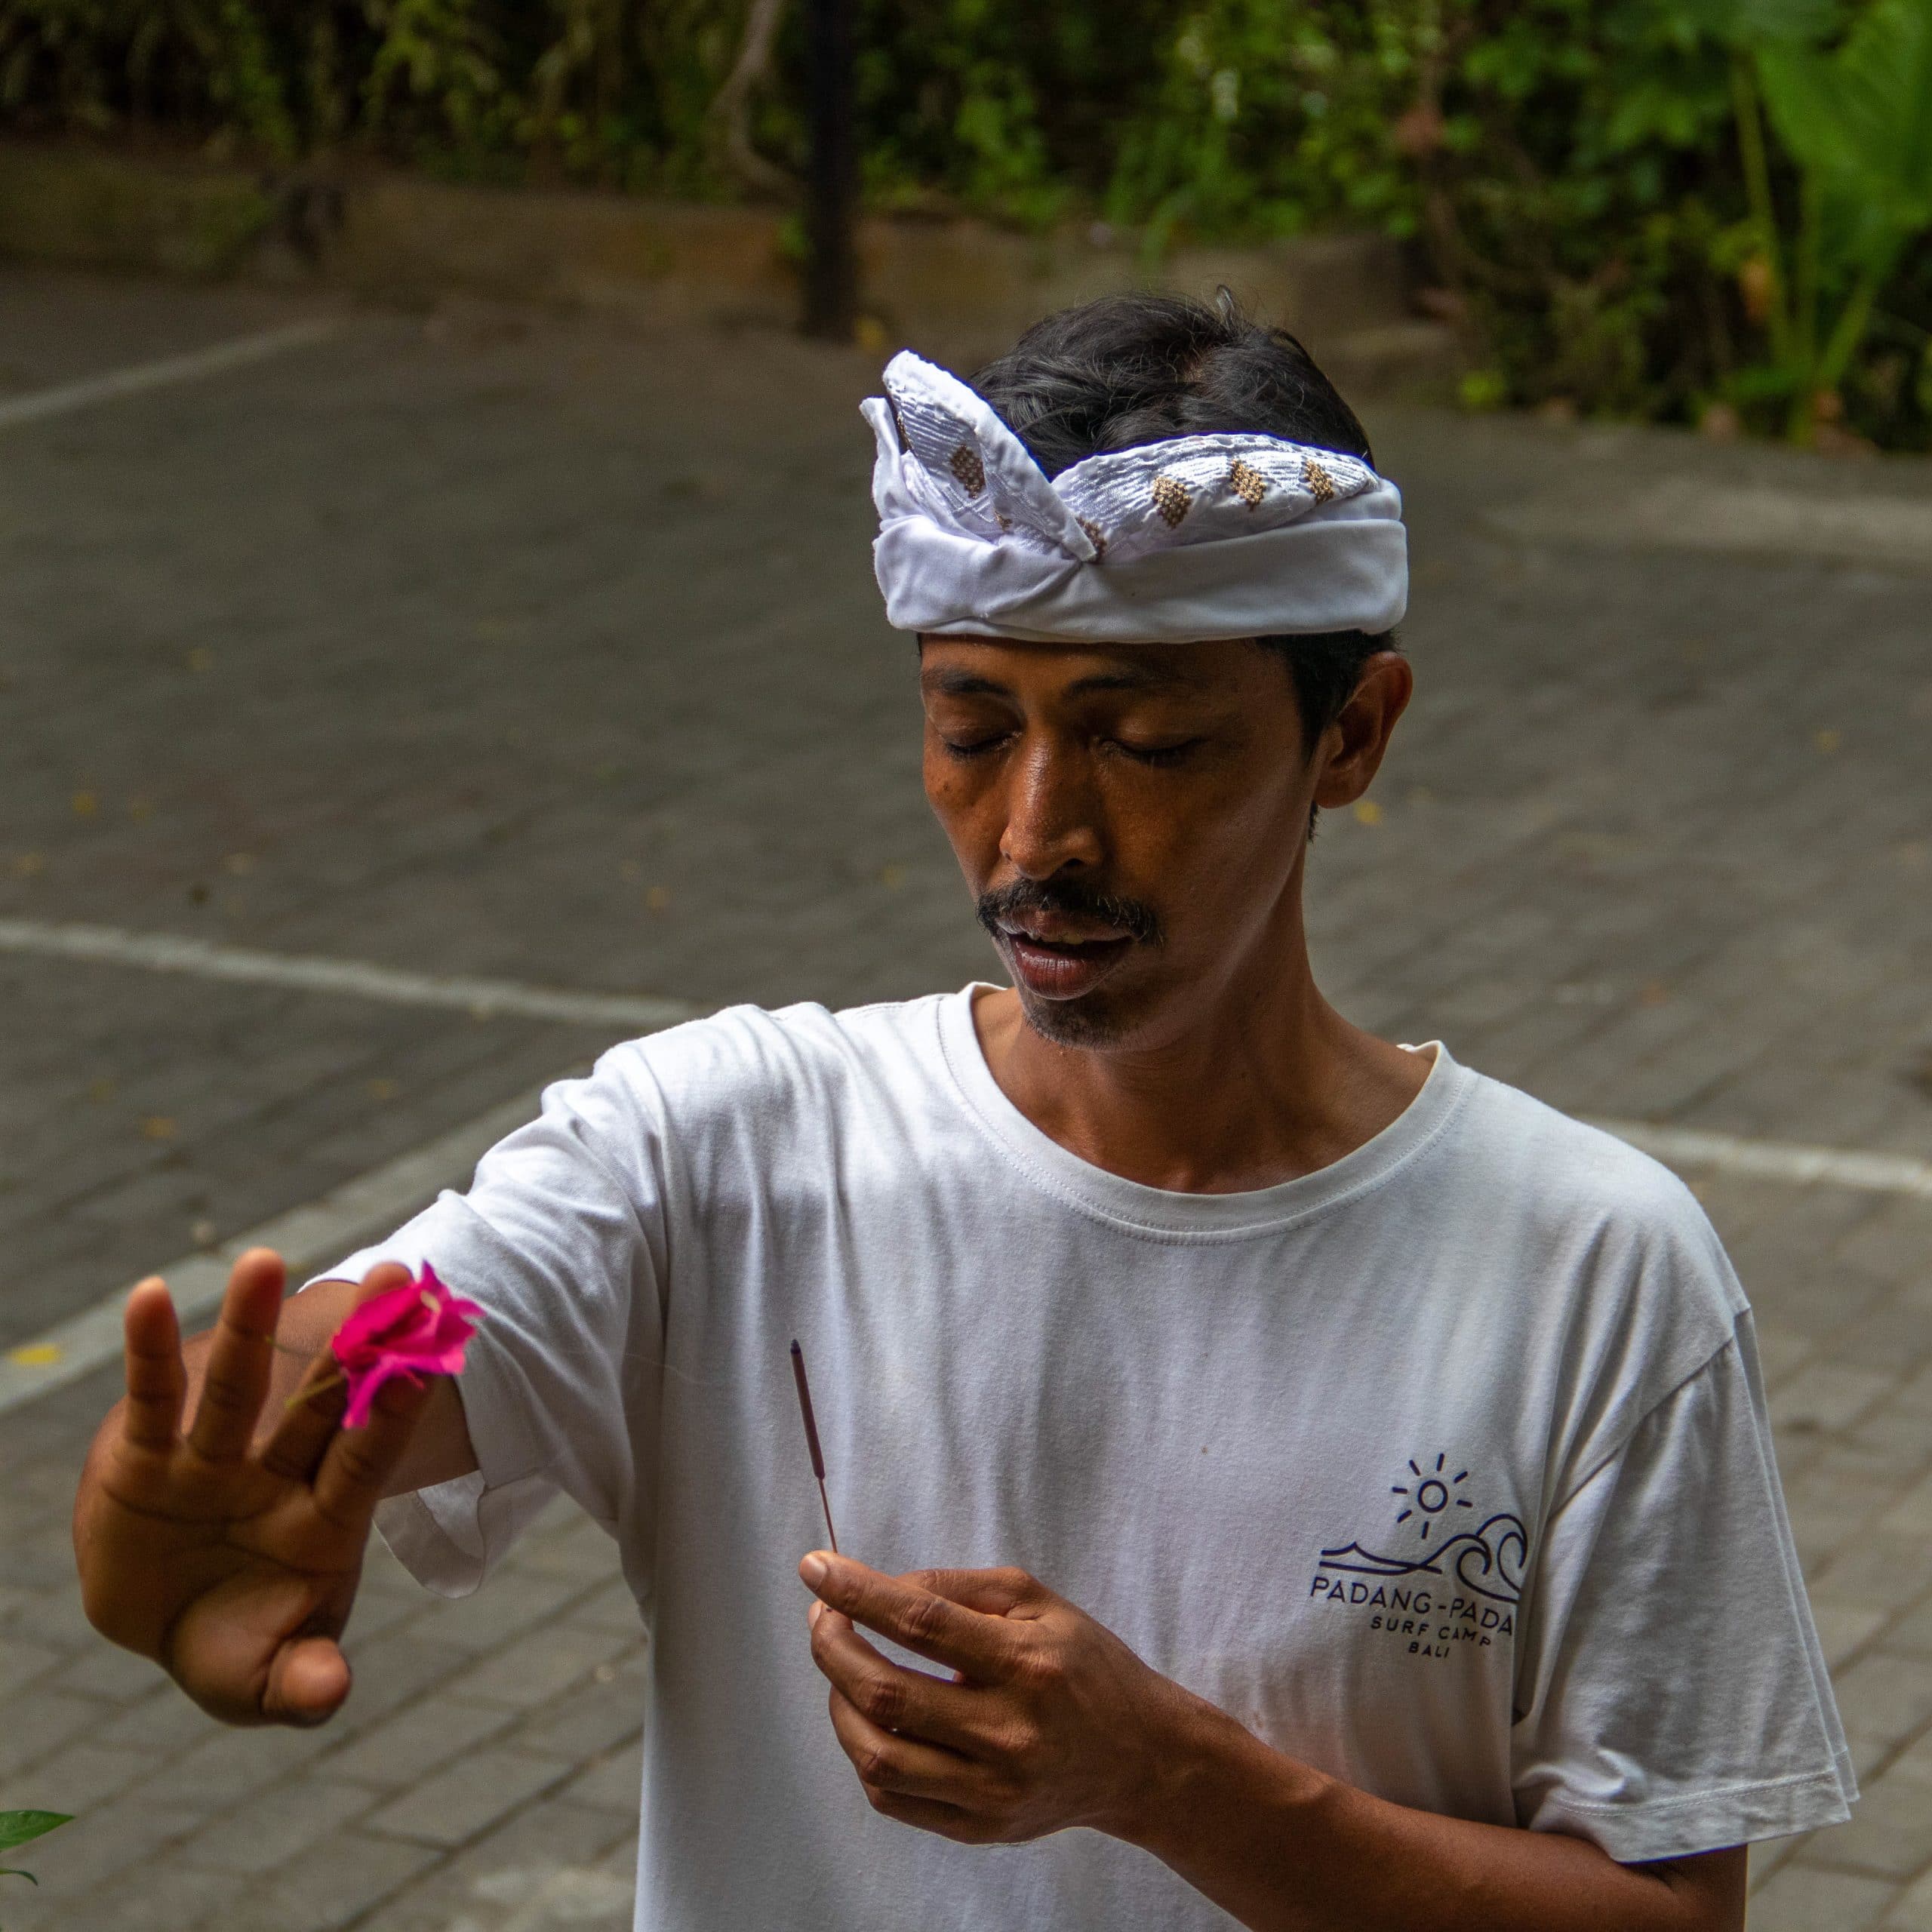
1161	1211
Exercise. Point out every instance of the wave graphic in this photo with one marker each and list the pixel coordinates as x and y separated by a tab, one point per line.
1488	1561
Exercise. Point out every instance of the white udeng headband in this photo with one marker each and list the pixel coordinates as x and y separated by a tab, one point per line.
1196	537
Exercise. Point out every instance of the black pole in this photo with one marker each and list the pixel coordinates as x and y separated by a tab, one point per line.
832	184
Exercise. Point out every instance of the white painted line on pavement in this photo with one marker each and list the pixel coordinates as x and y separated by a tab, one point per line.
1686	513
315	1235
39	404
352	979
1777	1160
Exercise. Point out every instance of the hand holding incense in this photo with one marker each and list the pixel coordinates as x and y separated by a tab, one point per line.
811	1439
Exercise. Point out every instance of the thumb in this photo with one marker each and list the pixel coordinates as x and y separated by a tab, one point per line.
308	1677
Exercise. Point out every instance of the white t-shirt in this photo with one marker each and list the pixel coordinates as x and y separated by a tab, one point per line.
1445	1469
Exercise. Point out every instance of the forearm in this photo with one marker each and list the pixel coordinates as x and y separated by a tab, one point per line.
1284	1848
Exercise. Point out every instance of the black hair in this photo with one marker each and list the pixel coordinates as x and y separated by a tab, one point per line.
1139	368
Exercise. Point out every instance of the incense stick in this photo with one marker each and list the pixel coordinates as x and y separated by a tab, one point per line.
811	1439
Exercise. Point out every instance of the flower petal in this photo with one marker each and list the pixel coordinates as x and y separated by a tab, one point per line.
415	1330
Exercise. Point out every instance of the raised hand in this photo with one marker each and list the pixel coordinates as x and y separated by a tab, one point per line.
229	1552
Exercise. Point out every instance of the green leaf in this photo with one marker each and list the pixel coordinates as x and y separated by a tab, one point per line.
1759	23
19	1827
8	1871
1858	121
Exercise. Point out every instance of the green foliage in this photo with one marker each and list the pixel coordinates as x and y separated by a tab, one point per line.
1857	121
1643	207
1268	120
437	71
19	1828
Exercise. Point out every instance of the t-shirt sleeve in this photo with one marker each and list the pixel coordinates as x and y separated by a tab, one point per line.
561	1240
1671	1696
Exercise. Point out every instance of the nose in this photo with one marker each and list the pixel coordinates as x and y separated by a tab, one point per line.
1053	814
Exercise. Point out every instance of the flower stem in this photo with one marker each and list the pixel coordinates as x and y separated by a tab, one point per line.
315	1388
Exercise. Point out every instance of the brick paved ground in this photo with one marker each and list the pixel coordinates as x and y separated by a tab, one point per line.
495	645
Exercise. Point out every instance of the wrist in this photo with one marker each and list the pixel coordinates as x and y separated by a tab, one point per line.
1199	1768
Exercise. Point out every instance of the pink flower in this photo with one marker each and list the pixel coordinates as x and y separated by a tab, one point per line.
415	1330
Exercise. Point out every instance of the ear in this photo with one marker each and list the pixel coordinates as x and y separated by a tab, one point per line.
1350	753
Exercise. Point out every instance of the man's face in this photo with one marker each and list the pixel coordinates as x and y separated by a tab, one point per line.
1132	820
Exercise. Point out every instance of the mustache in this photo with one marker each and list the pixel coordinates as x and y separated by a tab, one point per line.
1011	903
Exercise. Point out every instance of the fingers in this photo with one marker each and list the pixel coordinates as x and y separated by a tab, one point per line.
157	1381
385	1275
905	1767
915	1783
924	1621
303	1433
357	1464
236	1377
306	1427
891	1697
945	1821
1008	1592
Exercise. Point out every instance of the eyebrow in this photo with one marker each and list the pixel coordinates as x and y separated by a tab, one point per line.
1128	677
964	684
1138	678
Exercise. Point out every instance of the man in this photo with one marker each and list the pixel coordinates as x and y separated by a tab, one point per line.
1352	1477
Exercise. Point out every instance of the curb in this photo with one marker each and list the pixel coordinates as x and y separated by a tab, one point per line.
962	289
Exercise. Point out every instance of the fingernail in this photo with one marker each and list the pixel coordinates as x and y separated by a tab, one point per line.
813	1615
814	1569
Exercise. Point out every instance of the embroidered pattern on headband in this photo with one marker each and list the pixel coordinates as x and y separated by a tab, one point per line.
1143	498
974	534
1171	500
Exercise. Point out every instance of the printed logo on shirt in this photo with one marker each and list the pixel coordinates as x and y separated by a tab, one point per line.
1478	1562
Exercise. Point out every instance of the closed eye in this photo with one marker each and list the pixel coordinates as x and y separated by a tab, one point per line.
1158	755
971	748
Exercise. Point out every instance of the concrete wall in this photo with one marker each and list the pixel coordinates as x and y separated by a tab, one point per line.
100	210
962	289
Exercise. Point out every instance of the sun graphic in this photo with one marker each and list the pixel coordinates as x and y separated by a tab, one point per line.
1433	1493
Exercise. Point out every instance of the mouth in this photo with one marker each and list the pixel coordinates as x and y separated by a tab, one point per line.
1053	960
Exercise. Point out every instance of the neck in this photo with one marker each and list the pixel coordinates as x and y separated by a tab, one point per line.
1268	1083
